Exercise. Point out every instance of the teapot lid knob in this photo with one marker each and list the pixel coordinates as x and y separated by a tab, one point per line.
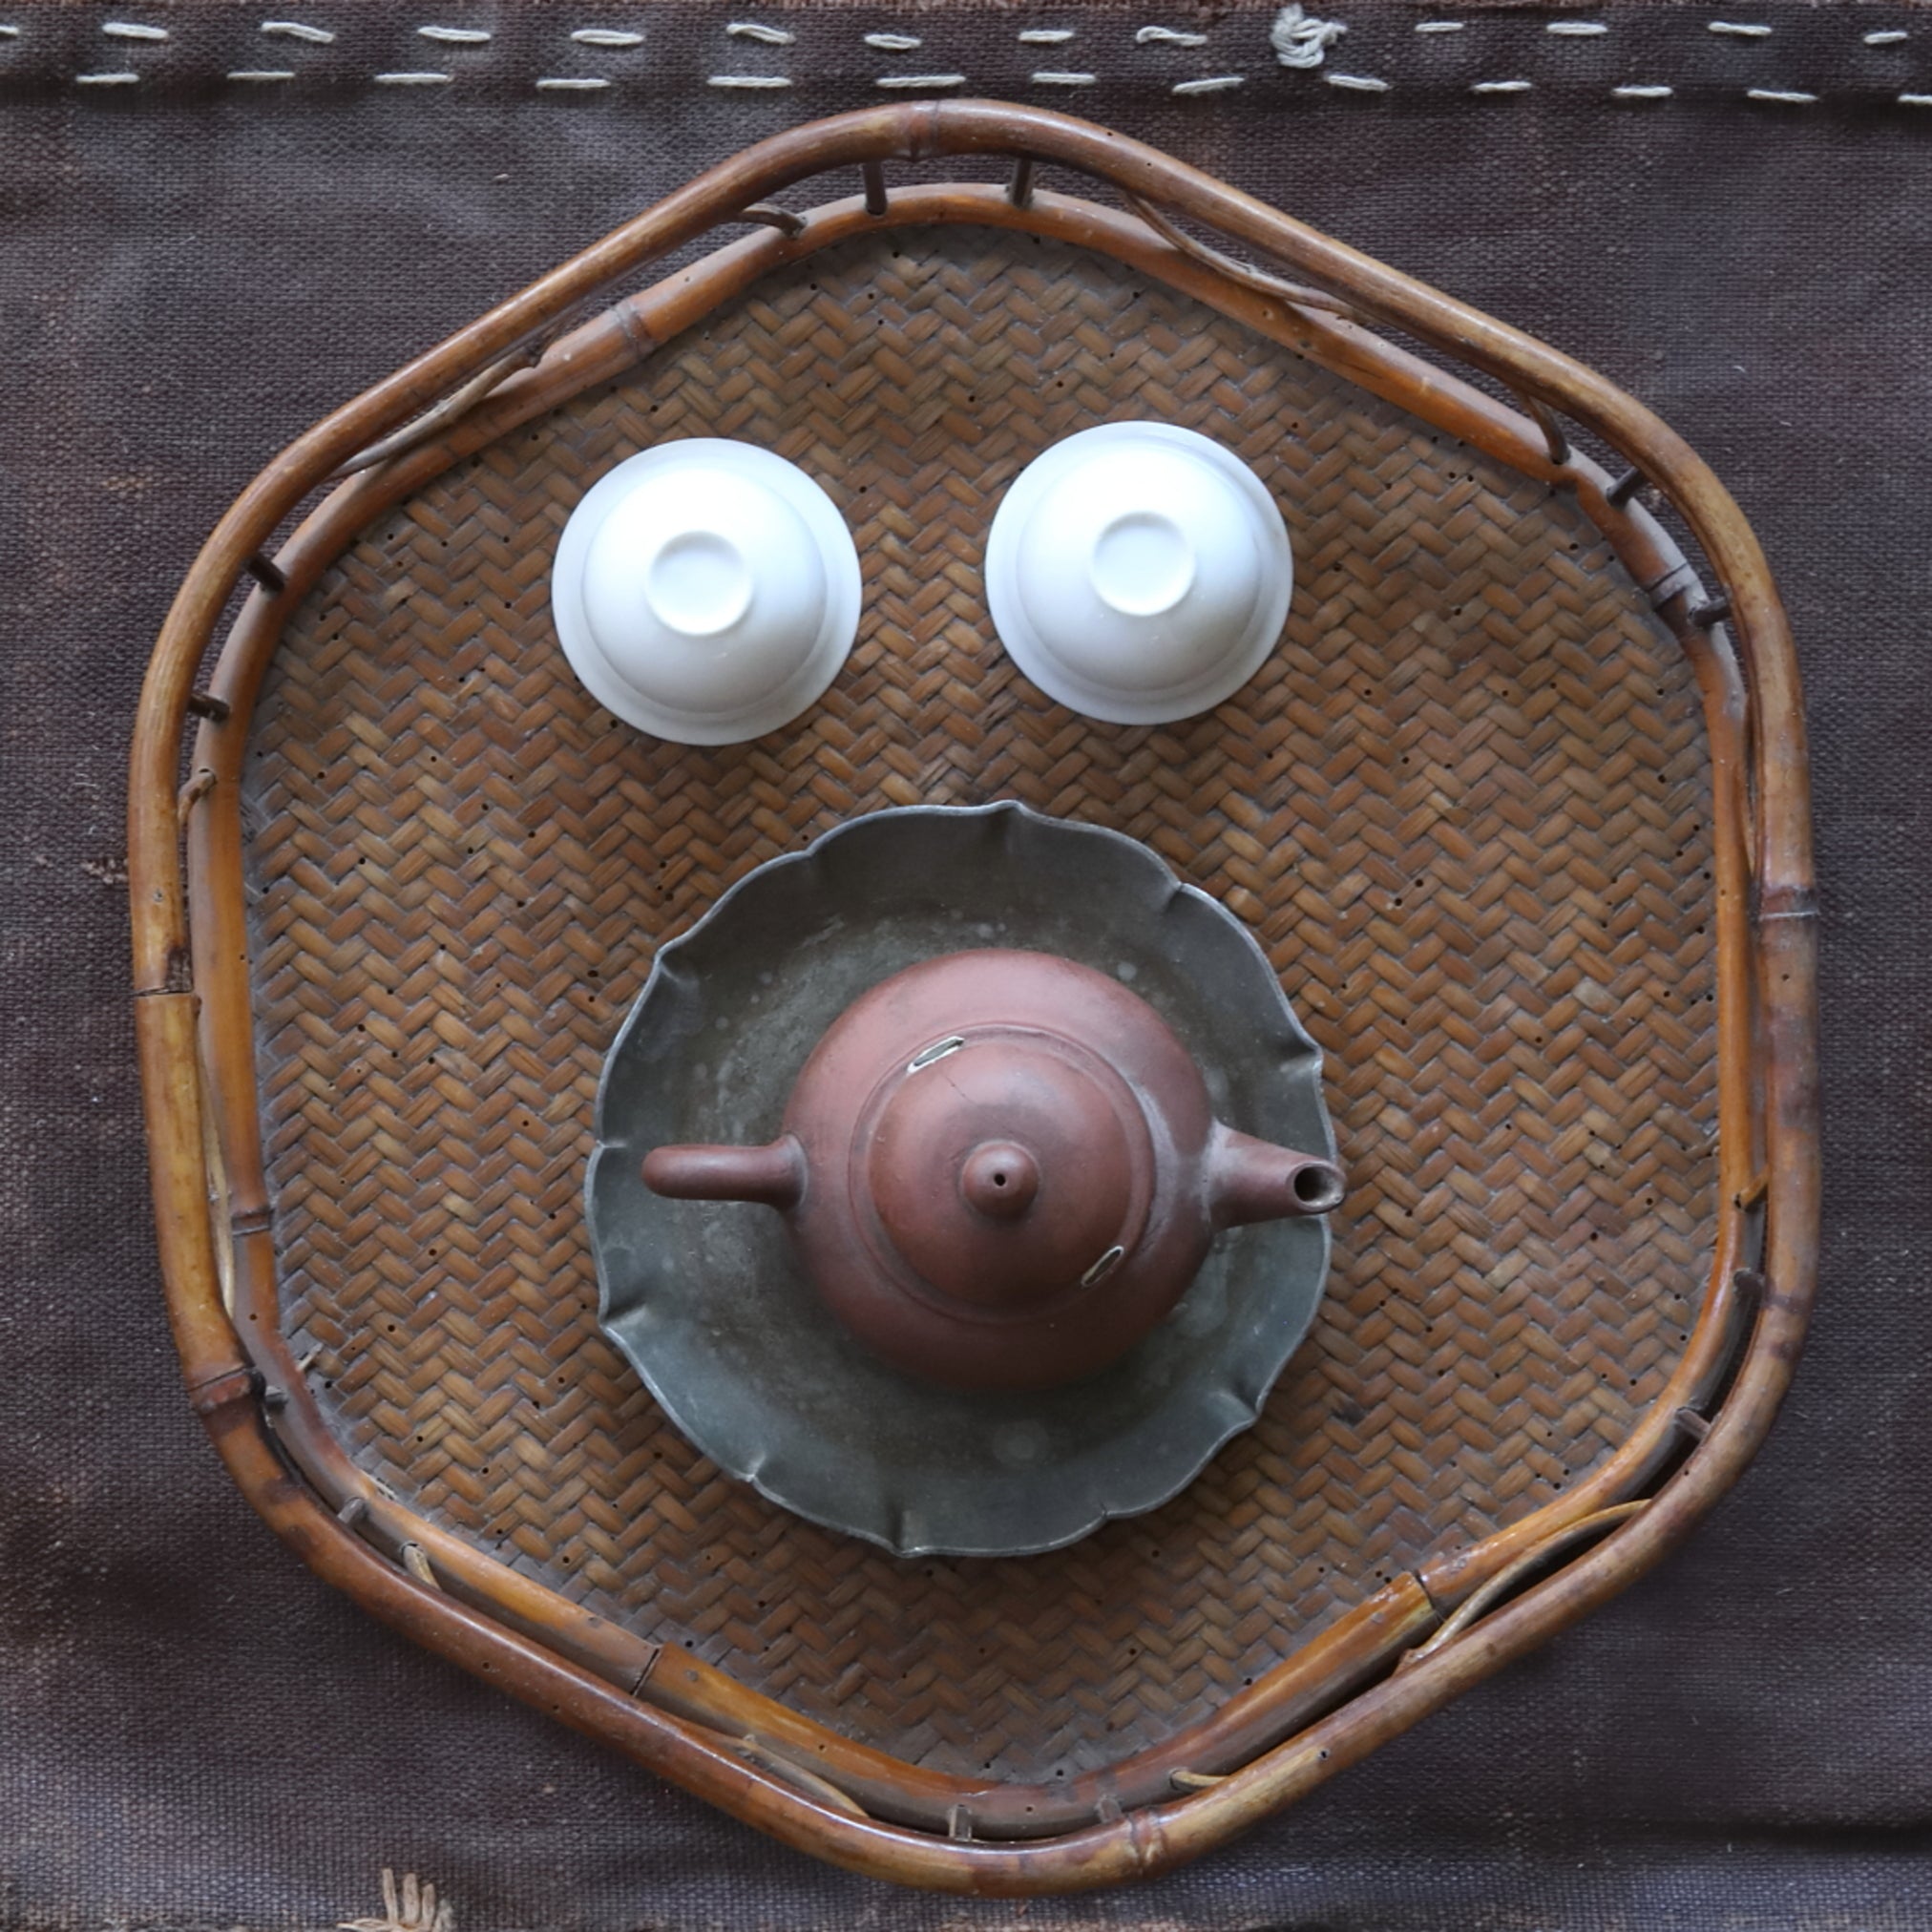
999	1179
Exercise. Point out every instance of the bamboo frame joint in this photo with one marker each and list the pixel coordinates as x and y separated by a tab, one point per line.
1513	1576
1619	492
412	1559
652	1653
644	344
1554	440
177	977
768	215
222	1389
1679	580
755	1751
1787	902
191	794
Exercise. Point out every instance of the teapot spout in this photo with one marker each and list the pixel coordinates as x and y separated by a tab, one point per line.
1251	1180
772	1175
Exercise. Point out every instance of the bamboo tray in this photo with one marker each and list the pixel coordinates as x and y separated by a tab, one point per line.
1519	808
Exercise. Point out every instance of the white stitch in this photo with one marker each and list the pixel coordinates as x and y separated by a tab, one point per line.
1784	96
893	43
1503	87
1299	39
1634	91
752	30
606	36
571	83
760	80
1886	37
9	33
410	79
920	80
1577	29
1048	77
1743	32
1357	83
1167	36
455	36
105	79
295	30
1045	36
132	29
262	73
1440	26
1210	83
1915	100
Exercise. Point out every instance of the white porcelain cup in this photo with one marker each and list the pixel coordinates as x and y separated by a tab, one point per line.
1139	573
706	590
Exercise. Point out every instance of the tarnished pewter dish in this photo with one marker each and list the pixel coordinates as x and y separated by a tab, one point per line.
956	1049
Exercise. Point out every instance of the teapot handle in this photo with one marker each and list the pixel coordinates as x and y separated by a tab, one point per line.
772	1175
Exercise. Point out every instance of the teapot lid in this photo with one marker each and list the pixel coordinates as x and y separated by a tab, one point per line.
1004	1166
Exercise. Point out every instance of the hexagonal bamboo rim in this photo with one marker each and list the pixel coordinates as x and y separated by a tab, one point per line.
1422	1638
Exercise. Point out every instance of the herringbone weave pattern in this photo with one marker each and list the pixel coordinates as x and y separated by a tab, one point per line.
1463	804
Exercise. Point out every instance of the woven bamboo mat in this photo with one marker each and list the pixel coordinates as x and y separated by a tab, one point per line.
1462	807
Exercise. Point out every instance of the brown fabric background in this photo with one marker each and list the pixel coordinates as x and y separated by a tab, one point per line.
196	1734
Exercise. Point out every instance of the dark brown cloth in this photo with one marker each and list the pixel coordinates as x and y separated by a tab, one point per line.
195	1732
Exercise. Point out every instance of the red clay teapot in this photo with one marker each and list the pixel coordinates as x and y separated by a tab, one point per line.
1001	1170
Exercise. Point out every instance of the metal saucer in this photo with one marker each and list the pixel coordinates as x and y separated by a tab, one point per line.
706	1302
